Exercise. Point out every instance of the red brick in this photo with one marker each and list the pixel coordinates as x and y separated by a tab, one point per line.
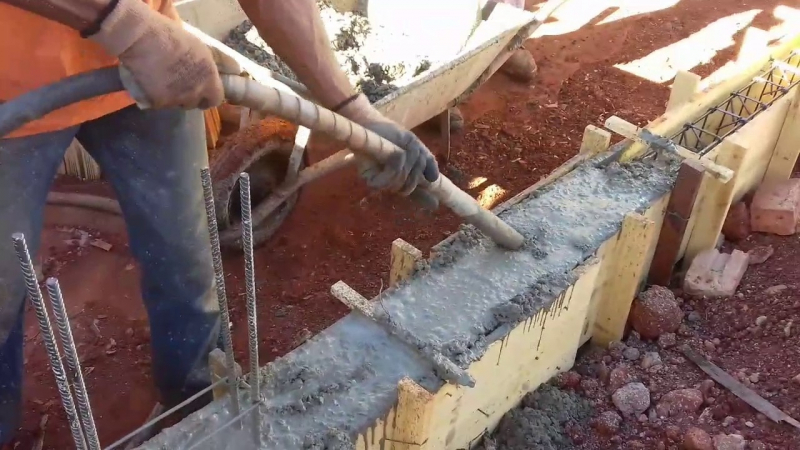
715	274
775	207
737	223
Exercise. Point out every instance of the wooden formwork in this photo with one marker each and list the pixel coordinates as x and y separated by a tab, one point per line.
763	145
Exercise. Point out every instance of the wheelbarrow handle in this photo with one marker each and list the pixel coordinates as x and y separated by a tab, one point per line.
361	141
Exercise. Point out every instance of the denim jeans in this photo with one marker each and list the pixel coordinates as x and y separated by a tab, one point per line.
153	160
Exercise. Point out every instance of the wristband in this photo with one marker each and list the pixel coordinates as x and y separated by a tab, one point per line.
345	102
95	27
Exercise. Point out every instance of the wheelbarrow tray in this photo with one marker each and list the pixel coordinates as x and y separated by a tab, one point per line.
416	100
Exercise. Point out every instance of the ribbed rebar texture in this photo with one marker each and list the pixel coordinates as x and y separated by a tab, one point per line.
71	353
219	280
35	295
250	283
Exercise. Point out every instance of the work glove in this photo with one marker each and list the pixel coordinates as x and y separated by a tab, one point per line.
170	67
406	168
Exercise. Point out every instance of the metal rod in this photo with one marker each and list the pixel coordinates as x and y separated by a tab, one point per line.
166	413
225	425
250	285
74	364
35	295
219	280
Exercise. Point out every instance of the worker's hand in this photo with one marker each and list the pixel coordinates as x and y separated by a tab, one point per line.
406	168
171	67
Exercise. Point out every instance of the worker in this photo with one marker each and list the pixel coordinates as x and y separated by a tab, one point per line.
520	67
152	157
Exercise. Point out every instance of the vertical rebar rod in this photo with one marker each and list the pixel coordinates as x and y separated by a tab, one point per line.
250	284
73	363
35	295
219	281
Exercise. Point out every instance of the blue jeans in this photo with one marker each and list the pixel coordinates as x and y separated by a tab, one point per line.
153	161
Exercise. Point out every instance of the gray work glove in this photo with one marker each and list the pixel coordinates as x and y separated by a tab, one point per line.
405	169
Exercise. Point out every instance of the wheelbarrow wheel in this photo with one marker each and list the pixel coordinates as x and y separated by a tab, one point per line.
262	150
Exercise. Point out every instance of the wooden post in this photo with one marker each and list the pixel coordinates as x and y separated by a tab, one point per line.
715	202
412	423
628	261
595	140
683	88
786	151
213	124
405	259
676	221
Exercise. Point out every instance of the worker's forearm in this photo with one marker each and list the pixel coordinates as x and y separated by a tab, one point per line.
294	30
77	14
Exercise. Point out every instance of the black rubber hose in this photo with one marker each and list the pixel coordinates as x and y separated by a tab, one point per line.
38	103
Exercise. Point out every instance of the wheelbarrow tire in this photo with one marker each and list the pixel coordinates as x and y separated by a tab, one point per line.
262	150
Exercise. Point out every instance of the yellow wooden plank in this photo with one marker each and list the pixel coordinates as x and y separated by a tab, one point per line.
787	148
595	140
405	258
630	260
413	419
714	203
683	88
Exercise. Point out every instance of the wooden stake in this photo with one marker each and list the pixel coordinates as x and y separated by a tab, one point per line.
787	149
216	364
213	127
628	260
404	261
676	221
412	423
714	203
595	140
683	88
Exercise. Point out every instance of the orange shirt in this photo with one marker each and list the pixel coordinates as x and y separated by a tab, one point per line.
35	51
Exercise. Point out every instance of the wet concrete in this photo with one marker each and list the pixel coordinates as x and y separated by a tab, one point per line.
373	57
345	378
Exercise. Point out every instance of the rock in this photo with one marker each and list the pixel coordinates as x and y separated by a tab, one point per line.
656	312
631	354
728	421
775	290
754	378
632	399
709	346
728	442
796	379
757	445
615	349
737	223
679	401
619	377
706	387
715	274
673	433
608	423
761	320
760	254
667	340
776	207
590	387
651	359
749	424
569	379
697	439
694	317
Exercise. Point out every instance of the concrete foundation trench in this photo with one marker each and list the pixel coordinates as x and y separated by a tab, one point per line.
396	372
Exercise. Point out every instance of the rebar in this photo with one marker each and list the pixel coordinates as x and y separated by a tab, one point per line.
73	363
219	281
35	295
165	414
225	425
250	285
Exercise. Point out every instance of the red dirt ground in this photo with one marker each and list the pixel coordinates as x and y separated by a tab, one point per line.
515	135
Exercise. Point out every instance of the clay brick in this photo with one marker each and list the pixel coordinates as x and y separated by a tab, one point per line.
715	274
737	223
775	207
